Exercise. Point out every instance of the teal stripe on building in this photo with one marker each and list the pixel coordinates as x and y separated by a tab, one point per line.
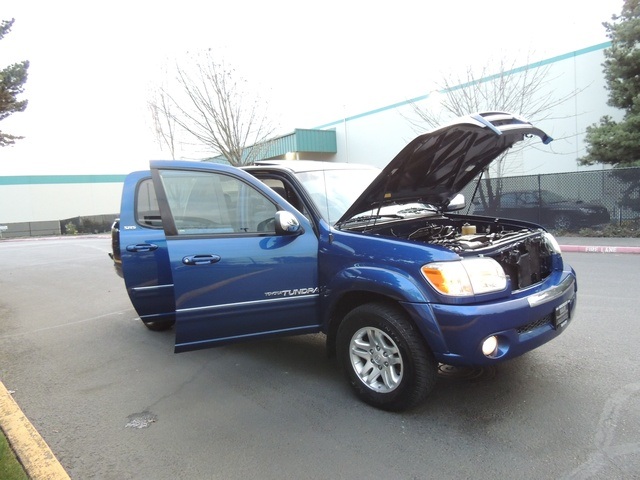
60	179
542	63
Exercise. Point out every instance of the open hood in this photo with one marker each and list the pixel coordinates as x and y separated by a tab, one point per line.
435	166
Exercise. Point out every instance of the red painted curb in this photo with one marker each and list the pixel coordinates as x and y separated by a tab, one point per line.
598	249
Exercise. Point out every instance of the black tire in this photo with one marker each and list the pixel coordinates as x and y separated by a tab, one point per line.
561	221
385	360
159	326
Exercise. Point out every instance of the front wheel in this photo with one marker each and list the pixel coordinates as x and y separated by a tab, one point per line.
384	358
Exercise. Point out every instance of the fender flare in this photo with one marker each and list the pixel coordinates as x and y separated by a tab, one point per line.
386	284
383	281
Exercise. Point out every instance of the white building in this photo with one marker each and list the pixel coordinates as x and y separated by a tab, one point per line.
375	137
372	137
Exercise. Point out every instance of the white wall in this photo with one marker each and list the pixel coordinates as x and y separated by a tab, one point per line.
373	138
376	137
41	202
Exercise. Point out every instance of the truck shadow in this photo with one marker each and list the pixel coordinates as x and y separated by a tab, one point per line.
475	393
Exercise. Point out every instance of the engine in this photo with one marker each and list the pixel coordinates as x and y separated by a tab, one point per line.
465	238
524	253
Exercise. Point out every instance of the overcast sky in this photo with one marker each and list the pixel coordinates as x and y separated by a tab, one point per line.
93	63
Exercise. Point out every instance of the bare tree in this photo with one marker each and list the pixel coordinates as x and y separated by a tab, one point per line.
215	108
164	124
523	91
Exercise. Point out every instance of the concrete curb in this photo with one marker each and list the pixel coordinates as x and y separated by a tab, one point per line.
32	451
598	249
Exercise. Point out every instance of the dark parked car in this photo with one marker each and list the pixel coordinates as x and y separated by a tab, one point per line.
546	208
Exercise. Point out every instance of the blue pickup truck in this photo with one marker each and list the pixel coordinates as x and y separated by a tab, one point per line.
377	260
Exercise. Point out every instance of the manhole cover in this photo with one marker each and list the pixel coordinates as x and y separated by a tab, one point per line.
141	420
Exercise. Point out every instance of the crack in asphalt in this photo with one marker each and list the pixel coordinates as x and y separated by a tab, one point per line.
606	453
62	325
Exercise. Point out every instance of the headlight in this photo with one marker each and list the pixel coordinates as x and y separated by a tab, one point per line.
466	277
552	242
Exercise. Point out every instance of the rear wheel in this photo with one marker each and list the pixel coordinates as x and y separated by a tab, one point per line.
384	358
159	326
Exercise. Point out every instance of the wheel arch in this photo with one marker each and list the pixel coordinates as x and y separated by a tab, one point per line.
353	299
362	284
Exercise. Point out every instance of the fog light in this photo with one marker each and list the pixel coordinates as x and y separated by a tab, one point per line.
490	346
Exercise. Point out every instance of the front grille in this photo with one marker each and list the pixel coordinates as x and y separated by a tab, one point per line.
541	322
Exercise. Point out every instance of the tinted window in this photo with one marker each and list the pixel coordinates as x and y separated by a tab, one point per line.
529	198
147	211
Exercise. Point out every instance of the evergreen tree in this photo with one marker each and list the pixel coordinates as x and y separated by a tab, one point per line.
12	80
611	142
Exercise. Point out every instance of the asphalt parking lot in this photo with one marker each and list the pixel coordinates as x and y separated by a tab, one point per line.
113	401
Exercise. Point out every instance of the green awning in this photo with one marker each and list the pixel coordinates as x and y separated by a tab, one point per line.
300	141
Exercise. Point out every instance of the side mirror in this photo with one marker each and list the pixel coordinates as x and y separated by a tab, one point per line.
457	203
287	224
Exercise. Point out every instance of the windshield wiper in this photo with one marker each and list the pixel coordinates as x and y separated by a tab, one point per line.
417	209
364	218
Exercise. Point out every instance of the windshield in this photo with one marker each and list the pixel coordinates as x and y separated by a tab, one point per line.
333	191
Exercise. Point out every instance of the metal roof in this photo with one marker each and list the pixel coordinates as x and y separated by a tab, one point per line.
301	140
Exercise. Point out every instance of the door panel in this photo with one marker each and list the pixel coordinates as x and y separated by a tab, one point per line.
234	278
143	249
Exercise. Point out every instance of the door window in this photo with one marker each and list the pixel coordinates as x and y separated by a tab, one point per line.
529	199
147	210
286	191
214	203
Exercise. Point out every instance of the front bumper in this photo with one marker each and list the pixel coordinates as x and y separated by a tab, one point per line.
455	333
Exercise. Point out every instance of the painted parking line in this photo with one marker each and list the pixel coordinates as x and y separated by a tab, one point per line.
598	249
33	452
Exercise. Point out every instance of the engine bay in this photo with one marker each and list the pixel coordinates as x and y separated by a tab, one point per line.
522	250
460	241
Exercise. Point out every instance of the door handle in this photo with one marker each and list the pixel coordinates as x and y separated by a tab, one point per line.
201	259
142	247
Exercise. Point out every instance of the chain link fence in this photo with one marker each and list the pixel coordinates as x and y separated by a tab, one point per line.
564	201
561	201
